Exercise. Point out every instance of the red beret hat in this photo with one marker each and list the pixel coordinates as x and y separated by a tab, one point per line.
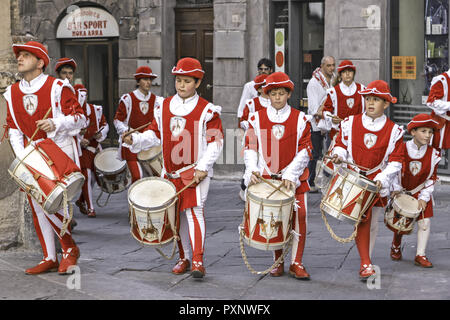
63	61
346	64
34	47
260	80
144	72
189	67
278	80
379	88
422	120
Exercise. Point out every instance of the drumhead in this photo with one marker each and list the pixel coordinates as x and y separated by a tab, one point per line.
150	153
151	193
359	179
406	205
106	161
262	190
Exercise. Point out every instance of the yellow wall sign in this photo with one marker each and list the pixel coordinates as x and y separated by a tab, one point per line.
404	67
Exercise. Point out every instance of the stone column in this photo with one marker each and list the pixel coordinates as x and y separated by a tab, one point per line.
353	33
16	225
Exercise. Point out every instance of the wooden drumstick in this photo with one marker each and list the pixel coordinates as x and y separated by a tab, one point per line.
337	118
270	184
93	137
348	162
137	129
37	129
277	189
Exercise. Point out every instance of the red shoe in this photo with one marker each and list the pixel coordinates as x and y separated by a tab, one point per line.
181	267
366	271
91	213
43	267
81	206
423	262
70	258
198	270
298	271
278	271
396	253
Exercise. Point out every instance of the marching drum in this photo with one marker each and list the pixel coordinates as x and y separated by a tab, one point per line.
151	160
401	215
349	195
47	174
112	175
325	169
267	220
324	173
153	211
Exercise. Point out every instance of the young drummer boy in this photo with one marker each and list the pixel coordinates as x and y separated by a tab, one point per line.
255	104
439	102
90	138
65	69
373	141
343	100
190	131
135	109
278	145
417	177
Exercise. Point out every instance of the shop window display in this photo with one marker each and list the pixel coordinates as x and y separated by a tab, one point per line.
436	40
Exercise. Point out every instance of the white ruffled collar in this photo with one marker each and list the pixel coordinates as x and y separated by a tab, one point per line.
138	93
278	116
182	107
33	85
348	90
373	124
415	152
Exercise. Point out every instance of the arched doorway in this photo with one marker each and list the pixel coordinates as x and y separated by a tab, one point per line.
90	36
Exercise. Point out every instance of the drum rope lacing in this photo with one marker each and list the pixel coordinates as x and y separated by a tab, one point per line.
422	211
32	190
284	248
68	208
355	231
153	229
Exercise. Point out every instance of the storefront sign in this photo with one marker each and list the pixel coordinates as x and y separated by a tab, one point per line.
279	50
88	22
404	67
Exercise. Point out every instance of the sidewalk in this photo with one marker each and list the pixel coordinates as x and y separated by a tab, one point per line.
115	266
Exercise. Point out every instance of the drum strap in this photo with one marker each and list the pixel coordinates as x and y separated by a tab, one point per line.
422	185
418	188
176	174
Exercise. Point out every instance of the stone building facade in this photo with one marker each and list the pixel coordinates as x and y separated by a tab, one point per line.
228	36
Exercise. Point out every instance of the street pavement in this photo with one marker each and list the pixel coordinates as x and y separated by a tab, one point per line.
114	266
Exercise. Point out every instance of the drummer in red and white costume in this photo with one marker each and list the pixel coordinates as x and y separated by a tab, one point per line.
343	100
65	68
439	101
283	152
90	138
66	119
189	153
135	109
418	176
373	141
253	105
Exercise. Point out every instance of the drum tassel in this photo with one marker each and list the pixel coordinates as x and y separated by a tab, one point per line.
152	229
67	209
